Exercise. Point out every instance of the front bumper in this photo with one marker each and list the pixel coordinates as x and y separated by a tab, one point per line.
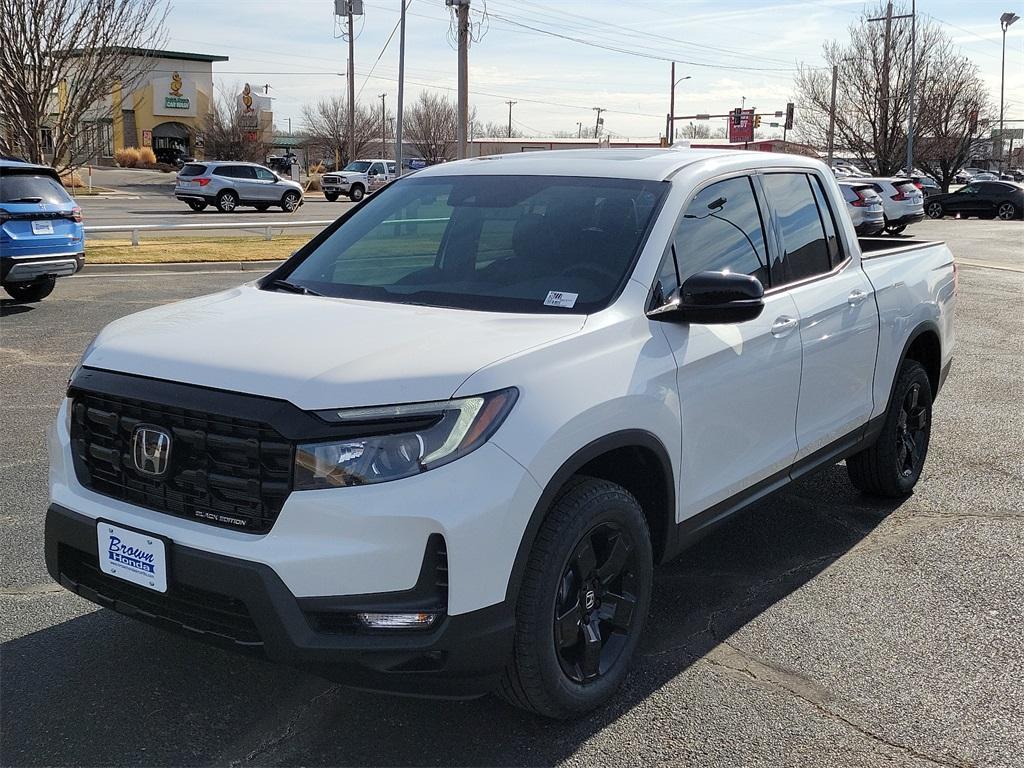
24	269
245	606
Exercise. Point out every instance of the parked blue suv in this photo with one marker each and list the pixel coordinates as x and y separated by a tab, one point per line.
41	234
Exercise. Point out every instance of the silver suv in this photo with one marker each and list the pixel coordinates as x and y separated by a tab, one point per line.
228	184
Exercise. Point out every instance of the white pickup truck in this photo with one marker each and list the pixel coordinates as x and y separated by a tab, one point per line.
440	449
358	178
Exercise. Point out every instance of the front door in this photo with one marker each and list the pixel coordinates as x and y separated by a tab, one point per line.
738	383
267	186
837	309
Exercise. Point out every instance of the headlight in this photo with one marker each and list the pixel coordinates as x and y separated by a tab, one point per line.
400	441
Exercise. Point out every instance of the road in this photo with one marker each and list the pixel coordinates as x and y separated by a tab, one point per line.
818	628
149	199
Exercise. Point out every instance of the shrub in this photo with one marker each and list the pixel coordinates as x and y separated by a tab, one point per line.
316	168
313	184
71	179
147	159
127	157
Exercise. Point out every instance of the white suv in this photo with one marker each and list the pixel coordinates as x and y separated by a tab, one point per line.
902	201
441	448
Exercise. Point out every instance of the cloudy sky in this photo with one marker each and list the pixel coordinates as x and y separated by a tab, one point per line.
560	59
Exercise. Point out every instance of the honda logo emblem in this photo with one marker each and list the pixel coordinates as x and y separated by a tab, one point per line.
151	450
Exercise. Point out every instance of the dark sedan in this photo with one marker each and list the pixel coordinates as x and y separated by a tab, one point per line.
984	199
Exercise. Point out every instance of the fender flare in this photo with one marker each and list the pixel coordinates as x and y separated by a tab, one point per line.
628	438
924	327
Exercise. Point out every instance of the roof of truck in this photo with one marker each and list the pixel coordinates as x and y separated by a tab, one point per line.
652	164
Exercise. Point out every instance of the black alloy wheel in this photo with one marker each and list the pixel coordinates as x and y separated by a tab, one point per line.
935	210
911	432
1007	211
197	205
595	608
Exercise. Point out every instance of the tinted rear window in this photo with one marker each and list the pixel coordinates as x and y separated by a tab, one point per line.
192	169
22	187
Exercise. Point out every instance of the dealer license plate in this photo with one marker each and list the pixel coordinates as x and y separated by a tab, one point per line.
42	227
140	558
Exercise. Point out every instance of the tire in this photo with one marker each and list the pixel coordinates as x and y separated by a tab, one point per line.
197	205
558	678
37	290
331	196
263	207
356	193
290	202
935	210
227	201
1007	211
891	466
895	229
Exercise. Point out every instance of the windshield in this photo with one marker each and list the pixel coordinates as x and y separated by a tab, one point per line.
359	166
22	187
496	243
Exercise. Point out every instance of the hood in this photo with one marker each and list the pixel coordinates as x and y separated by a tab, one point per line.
318	352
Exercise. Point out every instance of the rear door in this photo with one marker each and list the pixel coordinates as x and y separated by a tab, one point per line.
838	314
738	383
37	215
245	182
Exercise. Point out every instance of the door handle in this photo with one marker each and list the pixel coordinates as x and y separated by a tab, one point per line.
856	297
783	326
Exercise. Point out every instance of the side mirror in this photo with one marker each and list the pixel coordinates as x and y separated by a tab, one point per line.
711	298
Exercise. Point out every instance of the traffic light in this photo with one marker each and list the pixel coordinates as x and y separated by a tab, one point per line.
737	116
757	121
789	116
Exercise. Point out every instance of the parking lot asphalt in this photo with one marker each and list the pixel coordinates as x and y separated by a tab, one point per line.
818	628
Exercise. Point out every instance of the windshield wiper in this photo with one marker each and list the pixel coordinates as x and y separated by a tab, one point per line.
284	285
26	200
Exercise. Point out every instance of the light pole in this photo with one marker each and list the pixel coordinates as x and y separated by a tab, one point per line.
1005	21
670	132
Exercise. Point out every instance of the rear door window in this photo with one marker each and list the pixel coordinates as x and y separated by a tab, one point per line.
805	246
192	169
244	172
28	187
827	221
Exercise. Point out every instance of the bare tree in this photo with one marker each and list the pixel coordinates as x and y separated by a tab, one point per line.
327	125
223	134
694	131
431	125
868	125
492	130
954	109
60	61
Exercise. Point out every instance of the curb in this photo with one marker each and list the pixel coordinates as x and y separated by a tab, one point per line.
106	196
97	270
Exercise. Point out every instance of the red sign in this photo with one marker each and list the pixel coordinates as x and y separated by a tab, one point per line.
745	130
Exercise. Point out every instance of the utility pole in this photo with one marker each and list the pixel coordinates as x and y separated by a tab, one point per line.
351	87
884	95
401	89
510	105
383	128
579	131
462	7
597	123
831	116
913	86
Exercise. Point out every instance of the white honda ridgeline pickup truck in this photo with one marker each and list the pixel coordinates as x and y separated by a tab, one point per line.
439	450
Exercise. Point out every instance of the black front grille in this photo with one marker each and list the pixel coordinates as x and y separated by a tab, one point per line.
217	617
223	470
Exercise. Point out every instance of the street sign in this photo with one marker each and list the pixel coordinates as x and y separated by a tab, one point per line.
741	127
703	117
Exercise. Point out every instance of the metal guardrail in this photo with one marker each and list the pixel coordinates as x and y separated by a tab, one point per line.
267	227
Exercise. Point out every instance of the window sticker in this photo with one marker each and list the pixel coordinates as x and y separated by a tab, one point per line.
560	299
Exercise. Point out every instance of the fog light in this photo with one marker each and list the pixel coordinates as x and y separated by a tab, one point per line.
397	620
